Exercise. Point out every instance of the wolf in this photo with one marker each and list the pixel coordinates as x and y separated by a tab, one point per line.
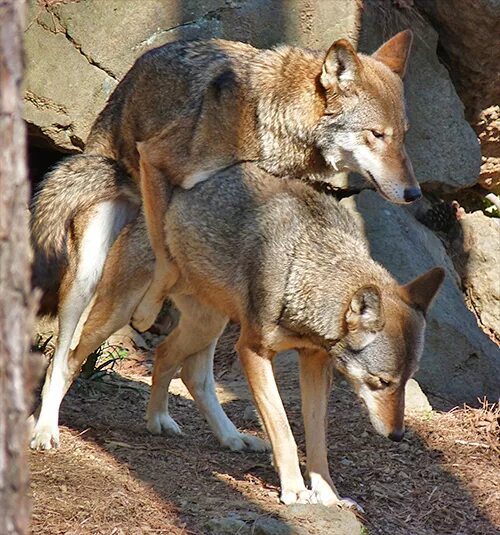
283	260
198	107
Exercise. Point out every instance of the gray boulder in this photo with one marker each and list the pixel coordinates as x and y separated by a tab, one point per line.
320	520
443	147
415	400
470	47
476	252
227	526
460	363
294	520
64	89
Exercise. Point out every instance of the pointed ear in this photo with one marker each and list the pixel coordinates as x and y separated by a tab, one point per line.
365	310
421	291
394	53
341	65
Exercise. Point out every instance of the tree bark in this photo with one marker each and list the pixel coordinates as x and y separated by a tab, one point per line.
16	302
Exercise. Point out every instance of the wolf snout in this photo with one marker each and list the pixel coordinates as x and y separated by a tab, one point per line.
397	436
412	193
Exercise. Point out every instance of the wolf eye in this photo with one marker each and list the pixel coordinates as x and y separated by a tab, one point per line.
384	383
377	134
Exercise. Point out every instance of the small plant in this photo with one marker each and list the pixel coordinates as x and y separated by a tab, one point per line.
102	359
428	415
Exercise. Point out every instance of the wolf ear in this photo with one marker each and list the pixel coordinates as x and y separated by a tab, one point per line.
394	53
341	65
421	291
365	311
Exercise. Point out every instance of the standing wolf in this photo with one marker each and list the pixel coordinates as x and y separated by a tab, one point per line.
283	260
198	107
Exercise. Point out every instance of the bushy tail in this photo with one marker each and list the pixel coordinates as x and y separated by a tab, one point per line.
73	186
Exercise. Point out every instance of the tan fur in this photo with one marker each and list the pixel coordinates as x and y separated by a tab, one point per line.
289	265
196	108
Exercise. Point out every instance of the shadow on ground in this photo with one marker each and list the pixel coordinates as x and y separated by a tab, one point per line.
405	488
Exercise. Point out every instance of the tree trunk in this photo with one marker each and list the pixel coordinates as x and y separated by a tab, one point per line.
16	302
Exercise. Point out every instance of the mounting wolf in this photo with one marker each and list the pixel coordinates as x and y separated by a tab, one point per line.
201	106
284	260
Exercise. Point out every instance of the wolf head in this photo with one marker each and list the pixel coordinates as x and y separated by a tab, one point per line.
364	124
383	346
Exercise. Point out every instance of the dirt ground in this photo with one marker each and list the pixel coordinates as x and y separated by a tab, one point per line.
111	477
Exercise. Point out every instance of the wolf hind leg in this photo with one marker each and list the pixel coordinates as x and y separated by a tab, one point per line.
165	276
155	192
197	374
191	346
198	326
77	293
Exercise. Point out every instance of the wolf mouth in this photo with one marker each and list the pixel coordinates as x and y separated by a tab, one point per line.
378	188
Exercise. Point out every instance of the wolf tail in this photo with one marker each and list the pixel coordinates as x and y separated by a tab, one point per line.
72	187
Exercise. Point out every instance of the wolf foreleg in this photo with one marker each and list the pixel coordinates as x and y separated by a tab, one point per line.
315	385
259	371
315	381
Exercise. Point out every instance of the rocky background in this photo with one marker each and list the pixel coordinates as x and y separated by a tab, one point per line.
76	51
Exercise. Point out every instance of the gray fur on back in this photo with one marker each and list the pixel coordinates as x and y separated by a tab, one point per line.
287	247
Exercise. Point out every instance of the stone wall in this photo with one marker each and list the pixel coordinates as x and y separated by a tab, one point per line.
470	47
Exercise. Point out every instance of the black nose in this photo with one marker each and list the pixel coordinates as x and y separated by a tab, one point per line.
397	436
412	194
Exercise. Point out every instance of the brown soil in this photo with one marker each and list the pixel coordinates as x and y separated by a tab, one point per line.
111	477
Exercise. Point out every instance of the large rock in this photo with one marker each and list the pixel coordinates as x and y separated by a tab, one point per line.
460	363
64	89
476	252
487	127
295	520
442	145
470	46
415	400
77	52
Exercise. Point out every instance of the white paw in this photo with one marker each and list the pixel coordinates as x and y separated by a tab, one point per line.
45	438
349	503
328	498
144	316
162	422
292	496
150	305
244	442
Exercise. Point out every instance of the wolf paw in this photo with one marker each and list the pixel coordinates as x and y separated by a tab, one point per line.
144	316
349	503
328	499
244	442
302	496
148	308
161	422
44	438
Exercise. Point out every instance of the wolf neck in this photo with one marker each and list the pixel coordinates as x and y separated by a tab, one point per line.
288	107
321	285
